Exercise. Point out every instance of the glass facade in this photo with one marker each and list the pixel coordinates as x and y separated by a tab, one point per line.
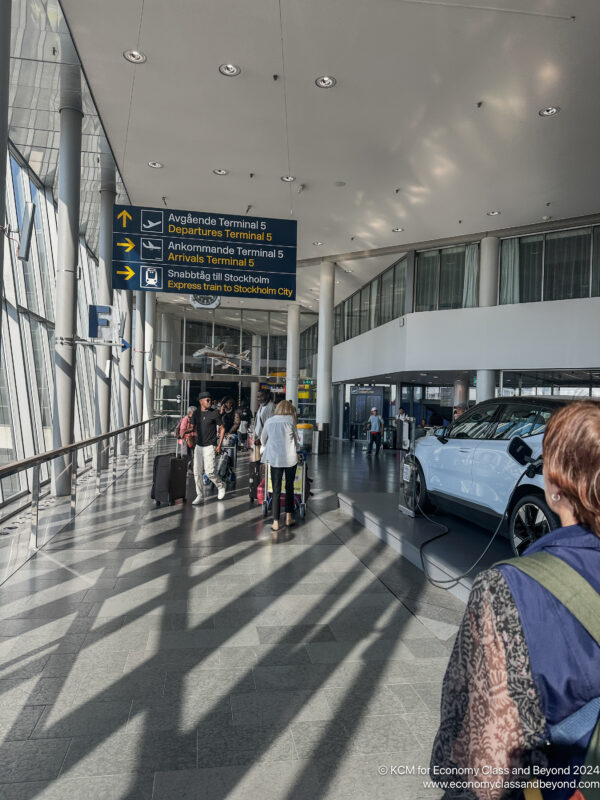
378	302
27	362
562	265
447	278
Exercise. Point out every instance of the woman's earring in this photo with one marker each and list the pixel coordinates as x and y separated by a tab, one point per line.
555	497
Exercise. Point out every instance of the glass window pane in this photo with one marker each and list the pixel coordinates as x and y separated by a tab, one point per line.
347	319
567	264
43	390
365	295
19	190
452	277
386	309
399	288
596	264
474	424
355	314
44	263
338	324
515	420
531	250
11	485
428	264
374	303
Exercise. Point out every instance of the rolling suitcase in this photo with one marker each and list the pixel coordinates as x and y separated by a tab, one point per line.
254	478
169	479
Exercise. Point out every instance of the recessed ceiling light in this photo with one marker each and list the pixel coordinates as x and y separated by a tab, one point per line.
230	70
397	230
423	374
220	172
549	111
134	56
288	178
348	271
155	164
326	82
493	213
317	244
337	283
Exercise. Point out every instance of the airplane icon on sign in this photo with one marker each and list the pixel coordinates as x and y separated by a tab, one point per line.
152	220
152	249
147	243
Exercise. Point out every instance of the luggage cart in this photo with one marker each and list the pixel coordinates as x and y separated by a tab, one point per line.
301	489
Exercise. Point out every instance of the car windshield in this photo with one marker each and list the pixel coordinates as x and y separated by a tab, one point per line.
474	424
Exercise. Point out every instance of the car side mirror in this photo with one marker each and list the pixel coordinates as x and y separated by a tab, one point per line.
441	434
520	451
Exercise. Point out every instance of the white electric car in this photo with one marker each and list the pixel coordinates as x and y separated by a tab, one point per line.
467	469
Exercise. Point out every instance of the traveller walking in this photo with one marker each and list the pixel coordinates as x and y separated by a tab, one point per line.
375	426
186	434
527	657
245	416
229	416
266	409
280	440
210	432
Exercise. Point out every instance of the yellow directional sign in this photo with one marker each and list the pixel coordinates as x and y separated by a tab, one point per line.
124	216
127	244
127	271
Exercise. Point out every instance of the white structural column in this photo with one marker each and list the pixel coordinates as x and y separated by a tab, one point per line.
108	192
69	180
138	357
292	373
255	356
5	13
325	344
126	310
488	296
149	354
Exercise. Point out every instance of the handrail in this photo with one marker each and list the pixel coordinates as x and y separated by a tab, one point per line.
34	461
152	427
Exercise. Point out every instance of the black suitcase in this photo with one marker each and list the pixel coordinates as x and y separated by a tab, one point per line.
169	479
254	478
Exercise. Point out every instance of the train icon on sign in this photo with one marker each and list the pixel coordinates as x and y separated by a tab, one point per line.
152	221
151	278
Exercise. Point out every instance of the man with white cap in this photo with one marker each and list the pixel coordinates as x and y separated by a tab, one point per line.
375	425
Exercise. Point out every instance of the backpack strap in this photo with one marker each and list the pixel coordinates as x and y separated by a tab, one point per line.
566	584
583	601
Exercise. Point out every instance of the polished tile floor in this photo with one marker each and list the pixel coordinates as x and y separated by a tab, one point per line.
181	652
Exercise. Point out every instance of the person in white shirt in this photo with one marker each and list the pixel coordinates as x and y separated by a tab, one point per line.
266	409
375	426
280	440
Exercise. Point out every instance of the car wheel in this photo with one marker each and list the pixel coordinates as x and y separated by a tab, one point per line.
420	492
531	519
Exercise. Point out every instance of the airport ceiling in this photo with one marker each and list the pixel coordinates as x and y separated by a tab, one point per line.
433	121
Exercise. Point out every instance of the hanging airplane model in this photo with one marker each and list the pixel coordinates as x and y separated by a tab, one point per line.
221	358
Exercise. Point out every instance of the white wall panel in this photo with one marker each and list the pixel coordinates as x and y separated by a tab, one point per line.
553	335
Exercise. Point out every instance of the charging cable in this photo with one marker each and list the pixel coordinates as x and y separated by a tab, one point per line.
450	584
